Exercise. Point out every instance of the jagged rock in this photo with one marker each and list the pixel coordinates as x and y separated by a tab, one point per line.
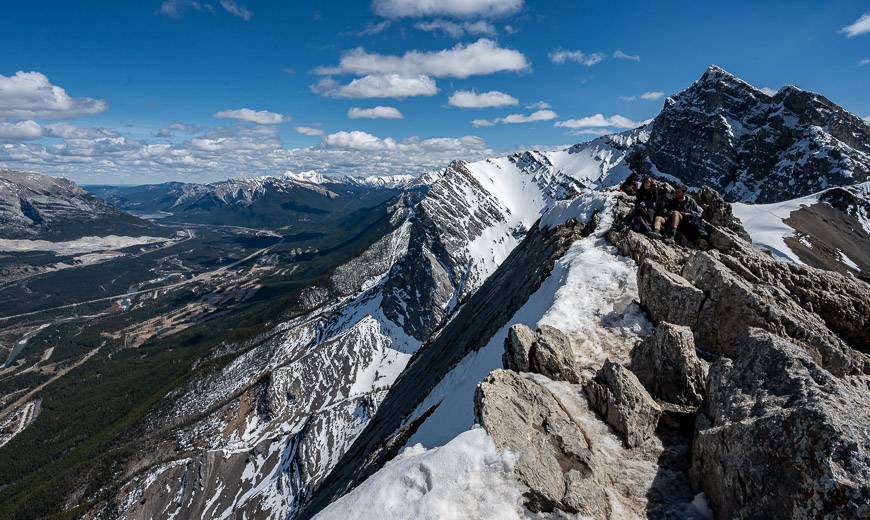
547	351
571	460
518	347
723	132
667	296
555	458
733	304
841	300
621	399
553	357
640	247
718	212
781	437
667	366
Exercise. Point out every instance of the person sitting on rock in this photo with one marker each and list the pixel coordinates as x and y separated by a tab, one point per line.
643	214
676	211
630	185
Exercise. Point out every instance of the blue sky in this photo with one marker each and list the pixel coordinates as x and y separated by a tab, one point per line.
130	69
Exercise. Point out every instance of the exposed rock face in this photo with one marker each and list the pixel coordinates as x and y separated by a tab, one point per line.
841	301
667	366
547	351
621	399
725	133
773	409
668	296
555	459
38	206
733	303
518	348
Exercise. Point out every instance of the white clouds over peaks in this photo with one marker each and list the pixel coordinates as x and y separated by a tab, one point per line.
363	141
457	30
647	96
309	130
652	96
540	115
860	26
378	112
260	117
358	140
452	8
481	57
378	86
21	130
472	99
31	95
599	121
560	56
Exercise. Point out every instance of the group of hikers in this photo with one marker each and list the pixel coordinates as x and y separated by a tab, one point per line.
658	215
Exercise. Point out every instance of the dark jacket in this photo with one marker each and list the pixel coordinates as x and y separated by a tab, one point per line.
646	196
687	206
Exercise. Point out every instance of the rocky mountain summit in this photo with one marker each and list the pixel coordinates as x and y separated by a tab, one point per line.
38	206
750	146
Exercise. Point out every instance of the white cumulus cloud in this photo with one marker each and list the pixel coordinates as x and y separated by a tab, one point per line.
457	30
378	86
378	112
860	26
20	130
260	117
599	121
539	115
31	95
472	99
309	130
481	57
451	8
357	140
560	56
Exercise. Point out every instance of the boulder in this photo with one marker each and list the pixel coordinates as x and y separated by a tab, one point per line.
517	348
668	367
621	399
553	356
547	351
667	296
641	247
781	437
555	459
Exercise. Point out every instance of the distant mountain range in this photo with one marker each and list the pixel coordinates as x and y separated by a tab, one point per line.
264	202
38	206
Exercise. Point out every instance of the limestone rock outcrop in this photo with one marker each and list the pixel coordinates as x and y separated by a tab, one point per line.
621	399
668	367
780	437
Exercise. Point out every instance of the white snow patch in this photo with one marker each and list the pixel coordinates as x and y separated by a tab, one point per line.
765	224
467	478
848	261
